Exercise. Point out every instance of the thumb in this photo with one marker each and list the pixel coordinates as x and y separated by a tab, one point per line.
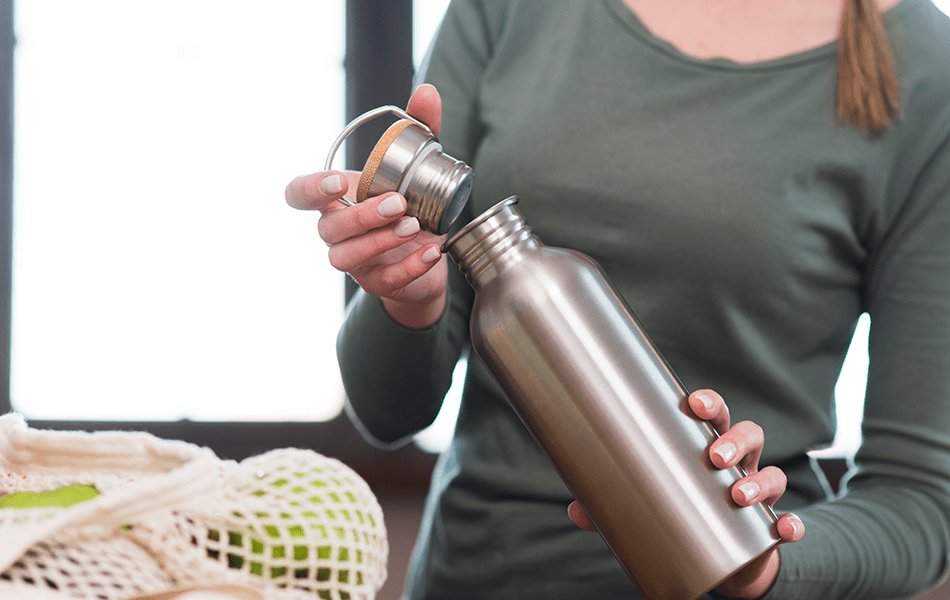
426	105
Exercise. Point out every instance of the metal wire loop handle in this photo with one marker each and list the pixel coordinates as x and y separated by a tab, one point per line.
351	127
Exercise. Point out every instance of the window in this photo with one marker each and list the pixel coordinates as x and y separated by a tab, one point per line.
158	273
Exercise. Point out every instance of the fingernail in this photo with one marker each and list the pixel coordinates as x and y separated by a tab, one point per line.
795	526
390	207
407	226
331	184
705	399
725	451
431	255
749	490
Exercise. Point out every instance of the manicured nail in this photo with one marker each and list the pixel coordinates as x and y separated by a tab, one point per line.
390	207
407	226
725	451
332	184
749	490
431	255
795	526
705	399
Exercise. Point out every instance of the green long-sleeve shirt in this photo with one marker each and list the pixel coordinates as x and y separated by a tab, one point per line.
748	229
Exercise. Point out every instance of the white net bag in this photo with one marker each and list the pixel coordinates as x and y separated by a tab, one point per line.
171	518
292	518
102	569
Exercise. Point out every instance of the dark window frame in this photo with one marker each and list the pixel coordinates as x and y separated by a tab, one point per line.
379	71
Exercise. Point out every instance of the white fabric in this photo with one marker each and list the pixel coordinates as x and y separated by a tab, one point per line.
209	595
286	525
221	592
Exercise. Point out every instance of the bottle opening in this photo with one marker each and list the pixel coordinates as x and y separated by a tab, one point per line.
453	208
494	210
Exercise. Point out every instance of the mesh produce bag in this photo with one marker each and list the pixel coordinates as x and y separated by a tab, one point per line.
170	518
292	518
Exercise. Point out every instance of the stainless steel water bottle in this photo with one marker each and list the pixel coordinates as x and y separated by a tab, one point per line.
606	408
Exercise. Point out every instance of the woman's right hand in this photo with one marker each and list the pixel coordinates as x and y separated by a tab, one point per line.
374	241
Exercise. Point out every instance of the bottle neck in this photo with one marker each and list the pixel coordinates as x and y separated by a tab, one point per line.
484	246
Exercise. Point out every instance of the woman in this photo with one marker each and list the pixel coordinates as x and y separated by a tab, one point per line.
697	150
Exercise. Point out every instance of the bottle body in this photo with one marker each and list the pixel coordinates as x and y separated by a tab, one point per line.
605	407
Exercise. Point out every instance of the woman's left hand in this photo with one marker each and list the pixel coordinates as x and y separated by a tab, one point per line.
739	445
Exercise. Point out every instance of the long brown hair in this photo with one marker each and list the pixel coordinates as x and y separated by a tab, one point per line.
868	88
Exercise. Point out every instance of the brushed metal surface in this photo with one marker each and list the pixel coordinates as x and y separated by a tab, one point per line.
606	408
435	185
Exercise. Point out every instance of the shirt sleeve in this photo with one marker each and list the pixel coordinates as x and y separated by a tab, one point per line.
888	535
395	377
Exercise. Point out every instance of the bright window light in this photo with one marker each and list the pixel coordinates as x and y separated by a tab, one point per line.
849	395
158	272
426	18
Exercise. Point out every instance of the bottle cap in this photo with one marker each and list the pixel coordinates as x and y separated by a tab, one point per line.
408	159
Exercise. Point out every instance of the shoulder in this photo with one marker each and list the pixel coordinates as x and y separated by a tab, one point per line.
920	35
920	19
501	30
490	15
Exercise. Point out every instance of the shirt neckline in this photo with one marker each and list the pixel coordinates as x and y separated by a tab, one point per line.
643	34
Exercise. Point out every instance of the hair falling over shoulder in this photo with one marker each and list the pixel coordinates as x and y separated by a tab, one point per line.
868	88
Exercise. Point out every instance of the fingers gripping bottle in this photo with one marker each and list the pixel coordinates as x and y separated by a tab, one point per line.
606	408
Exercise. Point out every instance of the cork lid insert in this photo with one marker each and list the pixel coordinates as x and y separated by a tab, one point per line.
376	157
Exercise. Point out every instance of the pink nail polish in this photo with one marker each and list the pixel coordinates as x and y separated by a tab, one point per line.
390	207
431	255
794	524
704	399
749	490
331	184
407	226
725	451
